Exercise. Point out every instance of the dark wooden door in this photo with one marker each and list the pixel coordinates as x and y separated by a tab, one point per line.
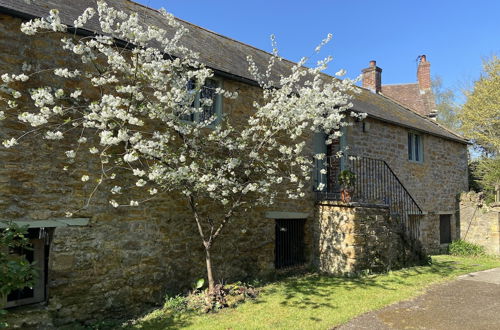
445	228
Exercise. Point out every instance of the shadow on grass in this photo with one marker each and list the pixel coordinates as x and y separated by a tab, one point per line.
313	290
162	319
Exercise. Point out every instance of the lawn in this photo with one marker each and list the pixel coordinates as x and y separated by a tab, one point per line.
321	302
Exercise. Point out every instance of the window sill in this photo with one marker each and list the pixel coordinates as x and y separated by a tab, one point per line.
52	223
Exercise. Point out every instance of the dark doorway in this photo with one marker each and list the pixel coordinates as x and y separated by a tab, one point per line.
289	249
445	228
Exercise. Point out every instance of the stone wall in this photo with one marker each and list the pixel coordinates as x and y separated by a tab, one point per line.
434	183
353	237
479	223
125	259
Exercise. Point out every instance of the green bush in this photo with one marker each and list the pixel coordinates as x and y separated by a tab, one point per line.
463	248
175	304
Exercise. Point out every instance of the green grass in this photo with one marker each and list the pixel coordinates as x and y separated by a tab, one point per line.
321	302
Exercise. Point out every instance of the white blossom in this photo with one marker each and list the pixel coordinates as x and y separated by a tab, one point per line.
57	135
70	154
76	93
85	178
9	143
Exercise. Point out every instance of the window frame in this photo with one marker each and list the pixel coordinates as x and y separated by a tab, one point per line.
195	117
412	154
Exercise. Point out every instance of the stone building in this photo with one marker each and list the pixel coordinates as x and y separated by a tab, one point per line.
409	171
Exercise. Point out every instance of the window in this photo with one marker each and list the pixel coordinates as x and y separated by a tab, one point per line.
207	92
415	148
37	254
445	228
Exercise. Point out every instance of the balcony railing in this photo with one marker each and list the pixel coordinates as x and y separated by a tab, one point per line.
376	183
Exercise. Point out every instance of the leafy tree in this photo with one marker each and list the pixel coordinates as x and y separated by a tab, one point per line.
480	115
140	101
488	172
446	105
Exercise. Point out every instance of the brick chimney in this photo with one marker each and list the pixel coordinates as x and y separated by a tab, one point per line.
372	77
424	73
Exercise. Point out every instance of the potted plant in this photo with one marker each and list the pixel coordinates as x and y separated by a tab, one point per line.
346	181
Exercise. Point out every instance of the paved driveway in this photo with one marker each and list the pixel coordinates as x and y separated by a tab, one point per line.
471	302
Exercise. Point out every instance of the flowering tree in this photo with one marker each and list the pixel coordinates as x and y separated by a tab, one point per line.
140	98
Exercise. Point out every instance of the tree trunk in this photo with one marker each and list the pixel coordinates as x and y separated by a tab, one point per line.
210	276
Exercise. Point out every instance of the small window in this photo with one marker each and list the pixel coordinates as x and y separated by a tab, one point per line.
445	228
38	255
415	148
206	93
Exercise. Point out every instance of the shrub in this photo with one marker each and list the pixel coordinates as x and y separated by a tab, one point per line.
175	304
463	248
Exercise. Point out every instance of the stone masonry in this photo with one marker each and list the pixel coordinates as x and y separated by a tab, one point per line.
435	183
125	259
479	223
354	237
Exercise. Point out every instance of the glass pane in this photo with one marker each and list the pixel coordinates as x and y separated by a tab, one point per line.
410	146
208	94
417	148
191	87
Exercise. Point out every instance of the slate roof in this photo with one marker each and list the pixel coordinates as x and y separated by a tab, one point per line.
411	96
226	56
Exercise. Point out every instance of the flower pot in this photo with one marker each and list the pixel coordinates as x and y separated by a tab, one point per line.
346	195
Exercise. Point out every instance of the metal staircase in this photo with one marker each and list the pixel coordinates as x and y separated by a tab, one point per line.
376	183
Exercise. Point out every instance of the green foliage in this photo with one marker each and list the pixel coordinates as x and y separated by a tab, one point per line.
15	271
488	171
446	105
347	178
474	180
480	115
197	301
175	304
484	175
199	284
463	248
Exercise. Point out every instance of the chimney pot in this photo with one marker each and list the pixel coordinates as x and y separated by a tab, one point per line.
372	77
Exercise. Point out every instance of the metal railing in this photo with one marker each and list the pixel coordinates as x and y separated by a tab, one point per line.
376	183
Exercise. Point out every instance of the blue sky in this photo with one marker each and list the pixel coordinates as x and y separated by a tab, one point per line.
455	35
